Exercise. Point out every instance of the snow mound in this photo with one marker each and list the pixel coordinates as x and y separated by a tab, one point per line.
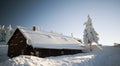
107	56
69	60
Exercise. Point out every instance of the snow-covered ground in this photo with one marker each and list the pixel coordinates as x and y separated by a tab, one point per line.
108	56
3	53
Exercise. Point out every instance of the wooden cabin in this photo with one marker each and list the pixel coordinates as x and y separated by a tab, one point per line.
40	43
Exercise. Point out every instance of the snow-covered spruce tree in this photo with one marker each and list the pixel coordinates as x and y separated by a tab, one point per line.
9	32
2	34
90	35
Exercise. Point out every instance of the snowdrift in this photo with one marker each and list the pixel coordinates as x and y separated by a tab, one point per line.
108	56
69	60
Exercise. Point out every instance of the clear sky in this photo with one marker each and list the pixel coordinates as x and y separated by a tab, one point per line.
65	16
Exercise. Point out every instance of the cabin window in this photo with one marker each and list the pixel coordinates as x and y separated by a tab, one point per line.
37	53
62	52
40	53
21	41
22	52
31	53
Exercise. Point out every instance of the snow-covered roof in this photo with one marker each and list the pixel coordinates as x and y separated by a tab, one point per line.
42	39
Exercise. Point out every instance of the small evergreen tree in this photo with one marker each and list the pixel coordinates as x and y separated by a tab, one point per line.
2	34
90	35
9	32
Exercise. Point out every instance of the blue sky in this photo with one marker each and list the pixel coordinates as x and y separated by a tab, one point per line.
65	16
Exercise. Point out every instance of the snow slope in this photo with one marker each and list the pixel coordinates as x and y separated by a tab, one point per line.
108	56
